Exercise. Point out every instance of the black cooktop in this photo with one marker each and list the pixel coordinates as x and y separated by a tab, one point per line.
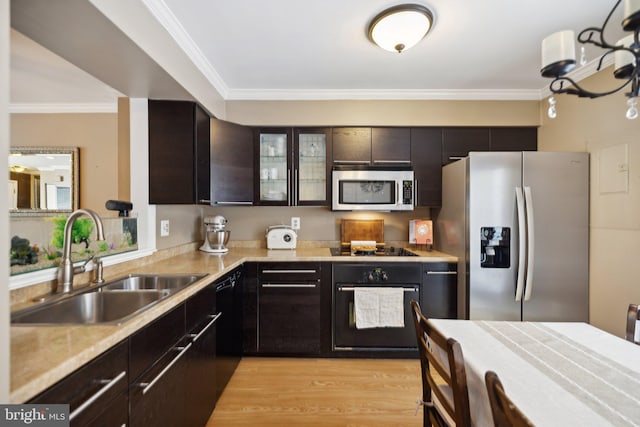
391	251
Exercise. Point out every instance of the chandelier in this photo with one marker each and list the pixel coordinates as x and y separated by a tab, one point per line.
559	57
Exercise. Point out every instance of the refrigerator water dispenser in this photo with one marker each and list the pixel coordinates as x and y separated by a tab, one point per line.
494	247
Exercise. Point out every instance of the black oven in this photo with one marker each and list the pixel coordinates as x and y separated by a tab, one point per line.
347	277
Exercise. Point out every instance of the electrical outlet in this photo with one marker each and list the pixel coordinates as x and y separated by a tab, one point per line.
164	228
295	222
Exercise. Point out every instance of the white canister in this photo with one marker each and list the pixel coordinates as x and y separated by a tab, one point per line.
273	173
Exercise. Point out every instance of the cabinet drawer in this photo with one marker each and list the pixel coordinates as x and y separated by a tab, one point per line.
92	387
200	306
148	344
288	272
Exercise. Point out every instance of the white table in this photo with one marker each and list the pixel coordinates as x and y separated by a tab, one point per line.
559	374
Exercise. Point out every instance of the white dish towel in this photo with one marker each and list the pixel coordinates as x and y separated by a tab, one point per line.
378	307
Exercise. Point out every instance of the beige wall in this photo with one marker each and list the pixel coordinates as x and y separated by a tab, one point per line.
596	125
380	113
96	134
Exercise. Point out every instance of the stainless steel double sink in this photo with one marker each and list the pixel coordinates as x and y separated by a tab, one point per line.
110	303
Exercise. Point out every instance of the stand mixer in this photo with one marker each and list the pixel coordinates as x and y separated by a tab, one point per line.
215	236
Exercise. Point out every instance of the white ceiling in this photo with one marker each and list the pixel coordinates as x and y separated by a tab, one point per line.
294	49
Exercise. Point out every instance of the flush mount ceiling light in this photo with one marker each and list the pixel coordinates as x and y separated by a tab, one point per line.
400	27
559	57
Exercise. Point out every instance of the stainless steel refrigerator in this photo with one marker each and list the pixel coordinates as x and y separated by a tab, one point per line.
519	224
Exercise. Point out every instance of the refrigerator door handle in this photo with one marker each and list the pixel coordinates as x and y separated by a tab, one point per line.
531	243
522	243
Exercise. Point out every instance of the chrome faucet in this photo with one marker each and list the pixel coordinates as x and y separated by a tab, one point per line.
66	269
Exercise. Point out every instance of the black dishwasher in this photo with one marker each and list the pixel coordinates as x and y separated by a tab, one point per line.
229	328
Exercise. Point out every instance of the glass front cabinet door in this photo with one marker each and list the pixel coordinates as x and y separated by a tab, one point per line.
292	167
312	175
274	166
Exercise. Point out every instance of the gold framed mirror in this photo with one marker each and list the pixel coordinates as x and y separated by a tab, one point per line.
43	181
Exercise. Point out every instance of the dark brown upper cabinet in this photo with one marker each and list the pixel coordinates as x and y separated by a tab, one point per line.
391	146
231	163
351	146
179	139
372	146
293	166
426	160
514	139
311	166
457	142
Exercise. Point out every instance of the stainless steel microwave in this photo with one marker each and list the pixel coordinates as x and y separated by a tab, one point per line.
370	189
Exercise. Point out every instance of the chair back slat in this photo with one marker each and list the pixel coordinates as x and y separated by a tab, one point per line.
633	330
505	413
441	360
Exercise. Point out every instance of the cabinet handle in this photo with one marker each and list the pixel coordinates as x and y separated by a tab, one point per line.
288	188
352	288
232	203
442	272
359	162
294	187
147	386
404	162
289	285
109	383
214	318
456	157
204	201
289	271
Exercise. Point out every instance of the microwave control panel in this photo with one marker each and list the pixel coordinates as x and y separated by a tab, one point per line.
407	192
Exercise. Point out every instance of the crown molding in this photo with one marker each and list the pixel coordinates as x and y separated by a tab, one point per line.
168	20
53	108
377	94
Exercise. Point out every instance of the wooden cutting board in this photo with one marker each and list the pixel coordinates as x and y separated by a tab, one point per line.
362	229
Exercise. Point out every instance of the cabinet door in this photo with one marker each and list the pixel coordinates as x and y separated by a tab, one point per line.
200	377
202	171
312	151
458	142
352	146
159	396
105	377
514	139
178	153
426	159
289	308
391	146
152	341
231	163
289	318
439	297
273	168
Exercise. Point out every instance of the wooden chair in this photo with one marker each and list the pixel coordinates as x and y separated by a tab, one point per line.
633	316
444	404
505	412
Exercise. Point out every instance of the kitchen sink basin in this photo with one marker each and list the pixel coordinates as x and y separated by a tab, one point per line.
136	282
91	308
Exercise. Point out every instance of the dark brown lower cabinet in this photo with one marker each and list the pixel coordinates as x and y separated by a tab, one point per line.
97	392
289	308
439	297
158	397
200	378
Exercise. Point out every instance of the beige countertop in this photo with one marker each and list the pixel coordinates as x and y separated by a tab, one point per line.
43	355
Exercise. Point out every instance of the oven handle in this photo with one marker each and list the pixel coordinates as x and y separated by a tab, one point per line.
353	288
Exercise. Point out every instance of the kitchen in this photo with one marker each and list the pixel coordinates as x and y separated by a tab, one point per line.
579	127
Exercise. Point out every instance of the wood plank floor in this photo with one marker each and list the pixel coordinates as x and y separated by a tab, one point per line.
320	392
